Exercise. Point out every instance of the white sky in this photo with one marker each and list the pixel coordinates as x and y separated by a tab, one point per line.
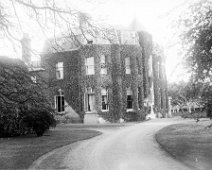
152	14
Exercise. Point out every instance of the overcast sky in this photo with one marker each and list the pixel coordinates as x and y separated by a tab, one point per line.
156	17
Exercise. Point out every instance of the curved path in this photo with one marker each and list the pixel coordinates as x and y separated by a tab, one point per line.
129	148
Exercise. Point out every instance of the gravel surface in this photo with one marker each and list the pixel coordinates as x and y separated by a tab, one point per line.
127	148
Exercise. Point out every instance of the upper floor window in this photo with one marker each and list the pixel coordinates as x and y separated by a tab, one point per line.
89	66
103	65
89	90
59	70
138	65
104	93
127	65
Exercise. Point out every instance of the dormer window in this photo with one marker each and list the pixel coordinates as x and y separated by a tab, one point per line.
133	34
59	70
34	79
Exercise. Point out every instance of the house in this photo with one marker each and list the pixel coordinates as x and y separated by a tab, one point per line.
105	79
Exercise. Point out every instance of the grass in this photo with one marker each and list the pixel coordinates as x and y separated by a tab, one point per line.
20	152
190	143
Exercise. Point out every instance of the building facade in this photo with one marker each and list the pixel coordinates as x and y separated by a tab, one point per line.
107	80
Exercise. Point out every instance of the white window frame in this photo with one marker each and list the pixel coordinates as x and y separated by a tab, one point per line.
89	66
104	93
103	64
59	71
127	65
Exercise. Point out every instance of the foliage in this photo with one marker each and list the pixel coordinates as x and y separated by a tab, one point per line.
38	120
183	92
47	17
131	116
197	39
21	100
207	96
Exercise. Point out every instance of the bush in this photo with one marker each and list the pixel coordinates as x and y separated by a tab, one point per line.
8	126
142	115
209	110
29	121
131	116
38	121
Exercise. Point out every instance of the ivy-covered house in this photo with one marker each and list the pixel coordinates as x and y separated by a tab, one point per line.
106	80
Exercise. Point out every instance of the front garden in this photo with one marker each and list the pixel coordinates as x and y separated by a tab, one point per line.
189	143
20	152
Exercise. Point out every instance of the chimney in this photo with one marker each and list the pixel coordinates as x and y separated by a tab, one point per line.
26	48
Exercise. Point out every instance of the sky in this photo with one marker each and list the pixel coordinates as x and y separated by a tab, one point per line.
155	15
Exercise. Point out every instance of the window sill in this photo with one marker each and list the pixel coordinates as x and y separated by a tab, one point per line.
129	110
91	112
104	110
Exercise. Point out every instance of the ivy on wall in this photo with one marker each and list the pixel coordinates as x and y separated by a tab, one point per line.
116	80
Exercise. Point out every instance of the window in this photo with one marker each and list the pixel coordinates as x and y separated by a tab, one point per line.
133	34
129	99
127	65
103	65
138	66
60	102
139	97
90	100
34	79
59	70
104	93
89	64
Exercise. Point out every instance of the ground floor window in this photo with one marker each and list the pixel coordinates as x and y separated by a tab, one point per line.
91	102
139	97
129	99
90	99
104	93
60	102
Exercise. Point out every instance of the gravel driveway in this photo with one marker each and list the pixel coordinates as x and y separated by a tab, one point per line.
128	148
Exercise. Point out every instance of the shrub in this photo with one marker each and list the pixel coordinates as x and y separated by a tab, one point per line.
38	120
142	115
131	116
8	126
209	110
29	121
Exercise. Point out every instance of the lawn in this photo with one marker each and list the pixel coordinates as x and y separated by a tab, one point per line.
190	143
20	152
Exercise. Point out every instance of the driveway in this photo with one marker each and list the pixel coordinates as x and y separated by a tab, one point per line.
128	148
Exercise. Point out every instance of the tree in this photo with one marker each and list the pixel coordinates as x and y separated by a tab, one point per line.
196	24
47	17
22	103
197	39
